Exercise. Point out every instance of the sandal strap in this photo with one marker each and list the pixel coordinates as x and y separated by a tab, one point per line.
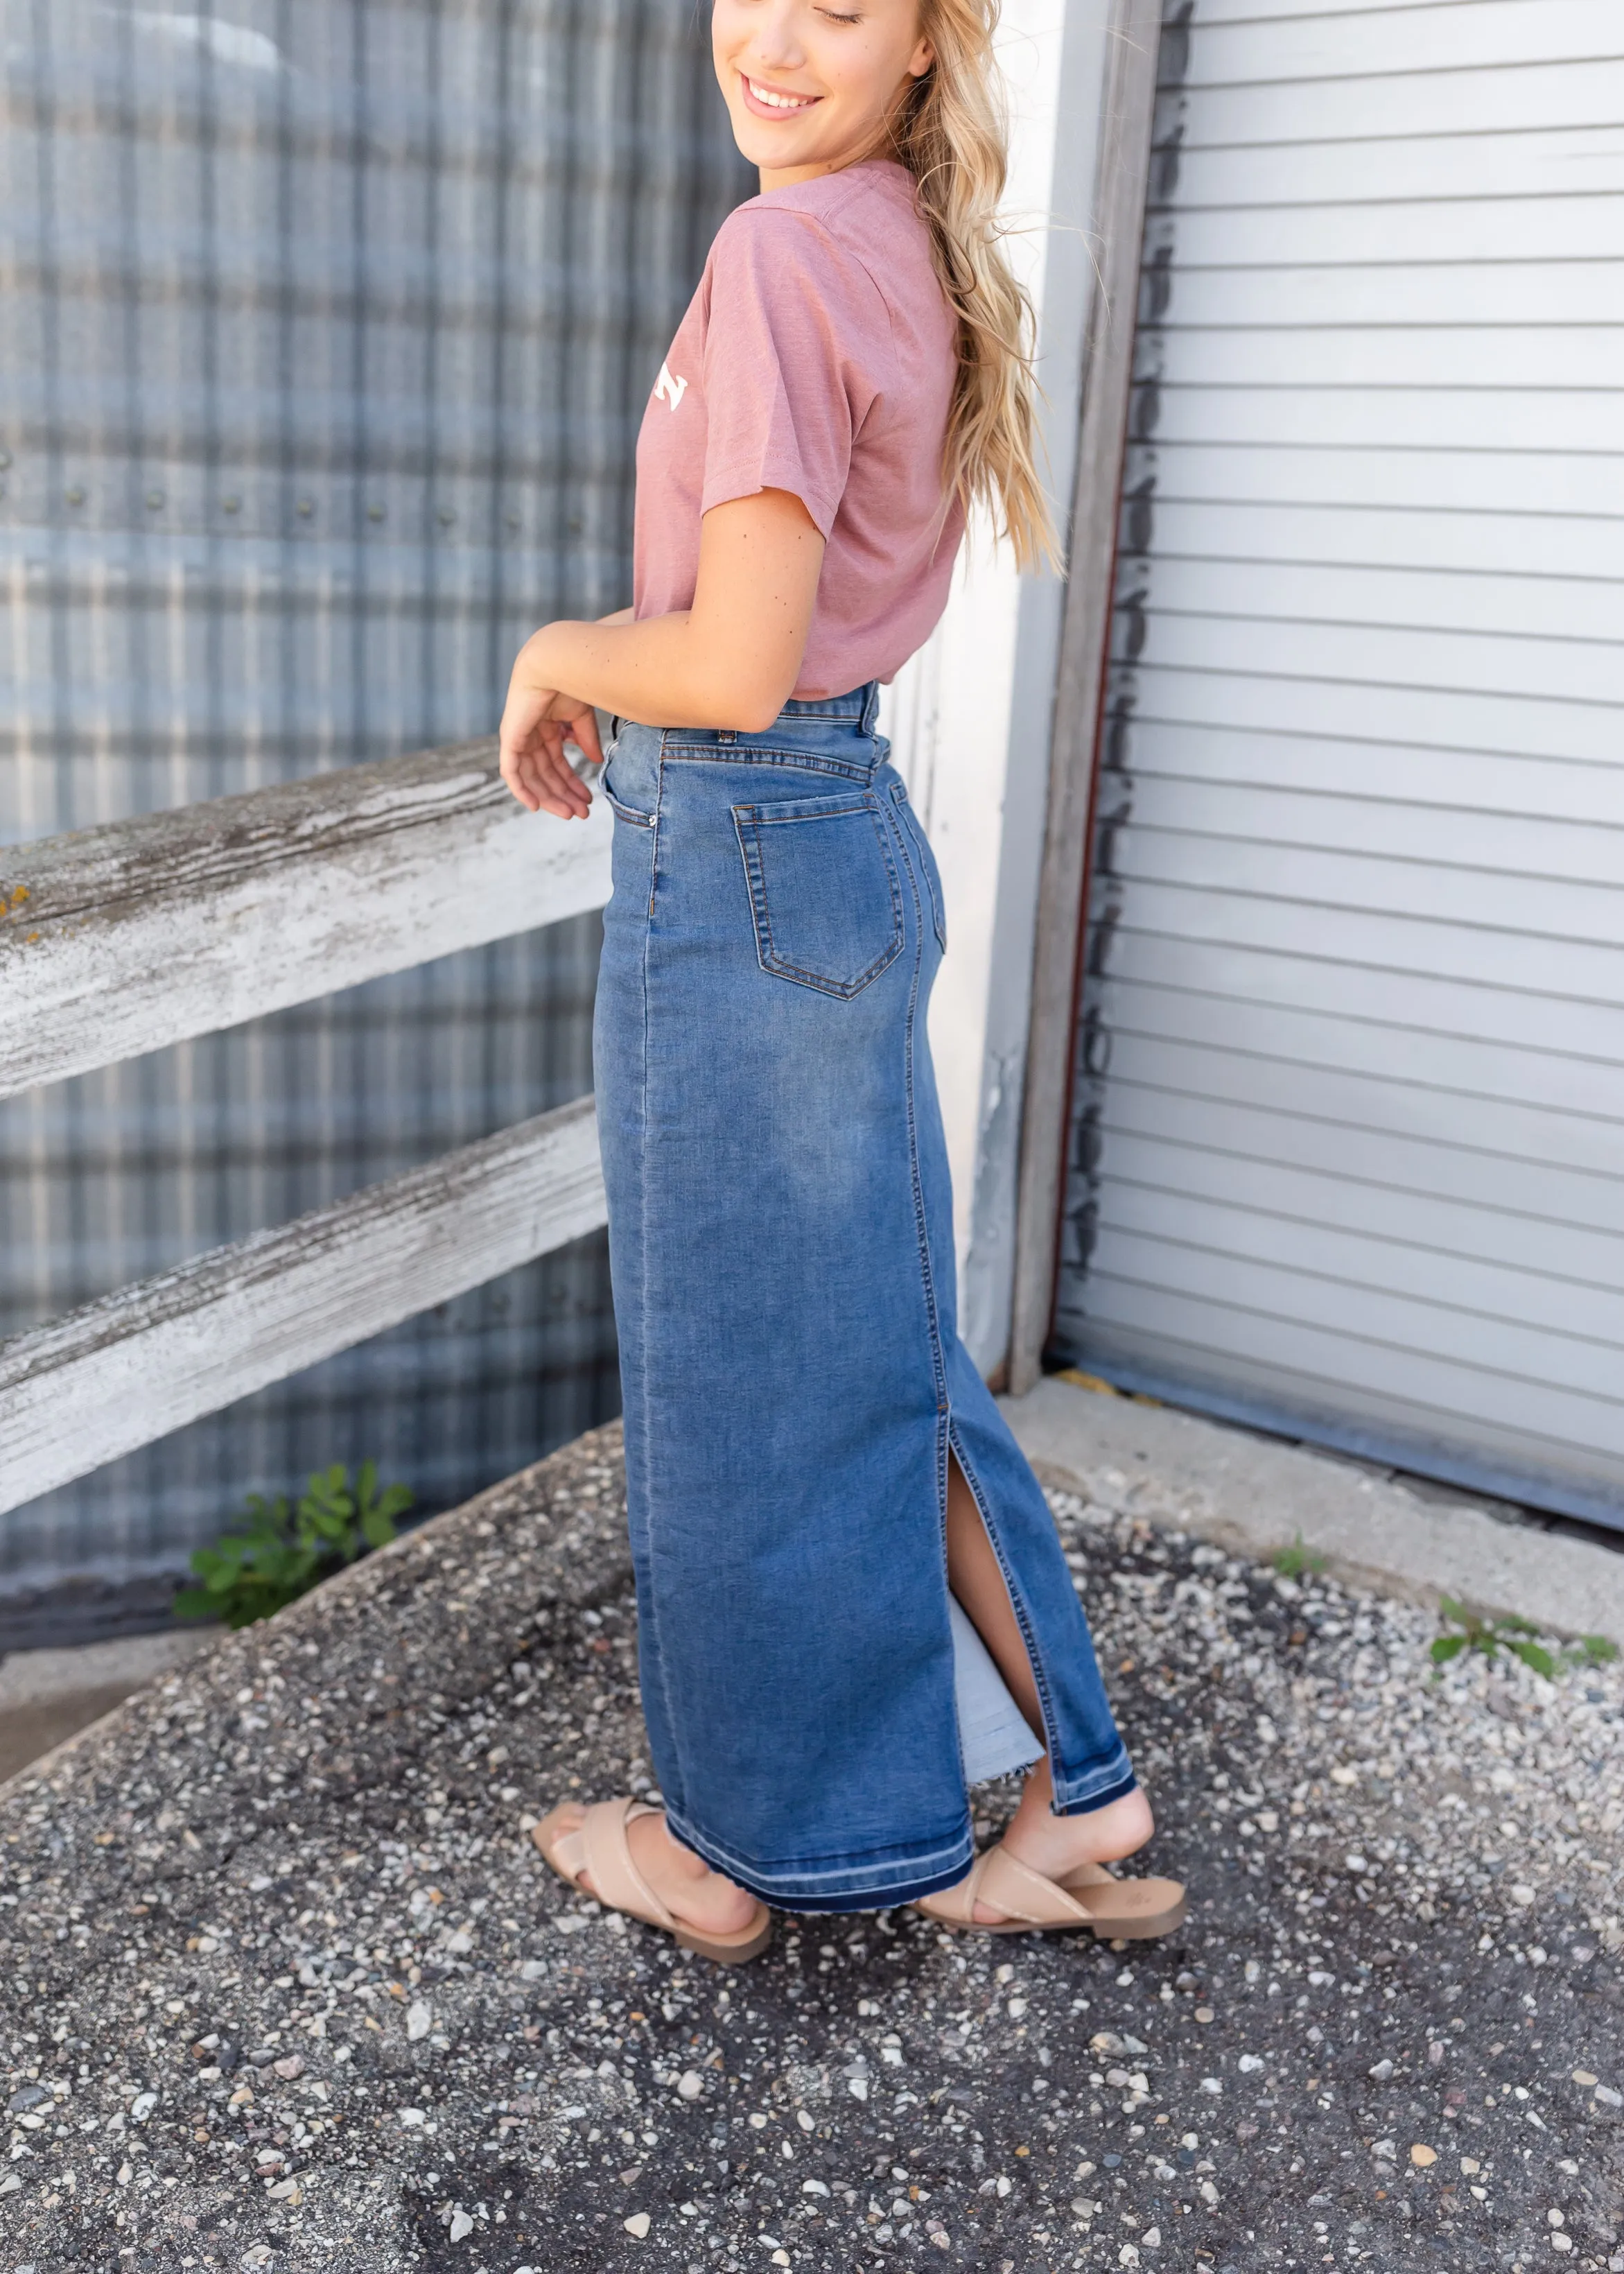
1017	1890
957	1904
616	1879
1009	1886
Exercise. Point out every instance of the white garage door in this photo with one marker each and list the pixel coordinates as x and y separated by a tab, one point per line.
1349	1117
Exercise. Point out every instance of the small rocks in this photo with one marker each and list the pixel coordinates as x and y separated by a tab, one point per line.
1339	1815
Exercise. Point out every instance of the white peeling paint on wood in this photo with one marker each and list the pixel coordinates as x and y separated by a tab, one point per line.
122	1372
115	941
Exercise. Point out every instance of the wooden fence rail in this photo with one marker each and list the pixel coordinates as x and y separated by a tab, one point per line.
119	1373
117	940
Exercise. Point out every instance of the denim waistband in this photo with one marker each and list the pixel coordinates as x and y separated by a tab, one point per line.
862	704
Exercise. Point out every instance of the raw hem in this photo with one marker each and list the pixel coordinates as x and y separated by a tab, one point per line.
1081	1795
877	1886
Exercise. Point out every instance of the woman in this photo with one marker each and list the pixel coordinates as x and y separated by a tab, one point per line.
812	1461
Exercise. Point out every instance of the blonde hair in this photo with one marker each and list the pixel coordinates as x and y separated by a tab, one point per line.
951	133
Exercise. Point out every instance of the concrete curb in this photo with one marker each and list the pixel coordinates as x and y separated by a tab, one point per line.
50	1700
1253	1496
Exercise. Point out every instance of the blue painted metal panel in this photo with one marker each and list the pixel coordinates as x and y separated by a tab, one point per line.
328	325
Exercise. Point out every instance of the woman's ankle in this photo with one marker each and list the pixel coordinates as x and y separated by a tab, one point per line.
1048	1843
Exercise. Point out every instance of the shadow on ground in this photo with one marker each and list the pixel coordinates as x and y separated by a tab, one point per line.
288	1986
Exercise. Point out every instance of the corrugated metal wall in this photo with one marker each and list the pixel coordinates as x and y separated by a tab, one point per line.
328	325
1350	1111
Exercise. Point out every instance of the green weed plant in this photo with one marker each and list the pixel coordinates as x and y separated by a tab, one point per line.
284	1552
1518	1637
1292	1562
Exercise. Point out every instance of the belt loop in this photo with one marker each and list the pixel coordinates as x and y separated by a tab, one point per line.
871	707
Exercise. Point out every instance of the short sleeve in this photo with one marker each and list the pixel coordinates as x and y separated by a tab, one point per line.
797	347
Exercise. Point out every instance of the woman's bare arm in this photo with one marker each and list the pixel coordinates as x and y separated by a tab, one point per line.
730	660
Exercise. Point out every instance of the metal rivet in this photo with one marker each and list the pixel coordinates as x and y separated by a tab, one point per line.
447	516
76	496
374	513
154	499
306	507
513	521
231	504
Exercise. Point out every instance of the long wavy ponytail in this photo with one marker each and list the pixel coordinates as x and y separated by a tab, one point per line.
951	133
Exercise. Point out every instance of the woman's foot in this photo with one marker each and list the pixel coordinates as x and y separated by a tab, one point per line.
1056	1846
689	1889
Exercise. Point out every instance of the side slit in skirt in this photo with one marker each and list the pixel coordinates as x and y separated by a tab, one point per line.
781	1245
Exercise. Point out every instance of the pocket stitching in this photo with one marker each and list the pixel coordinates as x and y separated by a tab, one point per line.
753	819
627	813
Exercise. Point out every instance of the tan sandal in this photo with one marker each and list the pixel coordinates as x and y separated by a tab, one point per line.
1087	1901
599	1845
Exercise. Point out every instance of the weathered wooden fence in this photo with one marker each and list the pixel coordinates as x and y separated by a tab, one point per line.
118	940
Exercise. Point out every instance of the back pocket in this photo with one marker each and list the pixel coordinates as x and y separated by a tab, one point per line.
824	890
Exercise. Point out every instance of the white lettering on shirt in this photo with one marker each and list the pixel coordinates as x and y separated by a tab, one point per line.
670	388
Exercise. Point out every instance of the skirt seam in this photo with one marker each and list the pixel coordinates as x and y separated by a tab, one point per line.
648	1611
932	1314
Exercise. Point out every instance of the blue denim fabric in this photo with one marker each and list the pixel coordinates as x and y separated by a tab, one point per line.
993	1735
781	1242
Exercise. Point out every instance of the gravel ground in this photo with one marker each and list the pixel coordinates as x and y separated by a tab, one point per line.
289	1987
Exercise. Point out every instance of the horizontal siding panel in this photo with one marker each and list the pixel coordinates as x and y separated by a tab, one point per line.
1391	108
1188	177
1314	43
1506	1370
1432	230
1285	972
1307	1370
1425	853
1384	1133
1491	596
1551	981
1525	419
1523	552
1243	1005
1576	671
1405	288
1333	1216
1252	12
1292	466
1518	928
1445	717
1462	356
1472	781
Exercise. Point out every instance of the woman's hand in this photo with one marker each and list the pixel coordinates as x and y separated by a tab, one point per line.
537	721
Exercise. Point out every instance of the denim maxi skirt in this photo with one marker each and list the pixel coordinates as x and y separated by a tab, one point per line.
781	1245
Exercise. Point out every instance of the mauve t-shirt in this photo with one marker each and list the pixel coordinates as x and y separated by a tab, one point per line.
818	357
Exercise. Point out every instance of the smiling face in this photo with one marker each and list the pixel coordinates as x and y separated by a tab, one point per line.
810	84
